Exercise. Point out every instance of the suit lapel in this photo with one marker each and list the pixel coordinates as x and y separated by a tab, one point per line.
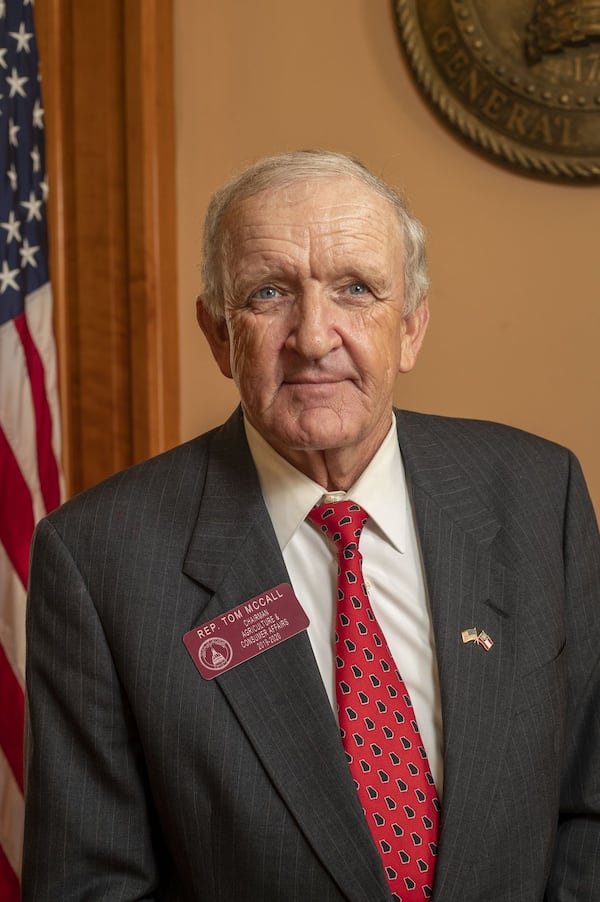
278	696
469	586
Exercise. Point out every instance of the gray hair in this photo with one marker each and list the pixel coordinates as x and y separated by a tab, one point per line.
280	171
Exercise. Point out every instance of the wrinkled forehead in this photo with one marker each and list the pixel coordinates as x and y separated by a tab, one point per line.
313	204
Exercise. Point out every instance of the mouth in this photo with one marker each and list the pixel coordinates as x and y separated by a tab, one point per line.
312	383
318	379
316	391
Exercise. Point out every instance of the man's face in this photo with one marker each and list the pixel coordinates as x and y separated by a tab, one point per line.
314	334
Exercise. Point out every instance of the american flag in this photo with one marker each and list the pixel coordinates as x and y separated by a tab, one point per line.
30	480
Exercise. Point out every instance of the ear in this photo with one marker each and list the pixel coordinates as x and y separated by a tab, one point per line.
414	328
217	336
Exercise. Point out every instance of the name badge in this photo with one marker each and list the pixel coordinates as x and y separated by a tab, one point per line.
246	631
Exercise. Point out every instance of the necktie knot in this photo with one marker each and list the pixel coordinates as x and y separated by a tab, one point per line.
340	521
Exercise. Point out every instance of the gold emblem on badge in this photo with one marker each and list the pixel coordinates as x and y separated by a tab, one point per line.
216	653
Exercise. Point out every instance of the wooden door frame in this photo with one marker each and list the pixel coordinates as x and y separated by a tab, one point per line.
107	81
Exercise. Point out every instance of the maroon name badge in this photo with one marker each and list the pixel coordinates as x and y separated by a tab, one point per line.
246	631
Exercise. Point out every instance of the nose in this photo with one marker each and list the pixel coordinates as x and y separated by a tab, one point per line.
313	331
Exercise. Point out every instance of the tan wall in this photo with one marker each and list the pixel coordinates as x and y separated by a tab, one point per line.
514	262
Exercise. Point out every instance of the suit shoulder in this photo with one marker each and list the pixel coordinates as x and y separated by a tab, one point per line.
475	433
507	461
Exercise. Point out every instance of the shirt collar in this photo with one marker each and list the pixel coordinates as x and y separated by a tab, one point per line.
289	494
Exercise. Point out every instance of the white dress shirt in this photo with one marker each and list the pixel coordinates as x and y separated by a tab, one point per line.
392	567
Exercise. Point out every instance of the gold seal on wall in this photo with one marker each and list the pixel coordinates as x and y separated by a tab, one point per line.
520	79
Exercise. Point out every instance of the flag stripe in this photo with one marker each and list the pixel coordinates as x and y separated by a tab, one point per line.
17	412
17	416
47	469
9	882
16	511
13	718
38	310
12	815
12	616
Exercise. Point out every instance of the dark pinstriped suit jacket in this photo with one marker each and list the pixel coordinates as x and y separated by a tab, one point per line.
146	782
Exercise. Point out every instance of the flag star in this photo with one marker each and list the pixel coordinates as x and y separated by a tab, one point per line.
12	176
12	227
16	83
44	187
35	158
12	133
3	50
7	277
33	207
2	9
22	38
27	253
38	114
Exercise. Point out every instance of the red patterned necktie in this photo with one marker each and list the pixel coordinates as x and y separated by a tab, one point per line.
379	731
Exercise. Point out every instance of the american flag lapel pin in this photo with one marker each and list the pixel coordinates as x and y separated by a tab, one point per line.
470	635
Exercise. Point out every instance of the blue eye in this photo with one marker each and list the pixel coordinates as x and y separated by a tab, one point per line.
358	288
266	293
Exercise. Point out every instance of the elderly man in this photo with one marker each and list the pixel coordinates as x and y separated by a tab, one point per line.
329	651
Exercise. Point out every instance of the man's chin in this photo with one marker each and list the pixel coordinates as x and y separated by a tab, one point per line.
314	434
306	428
